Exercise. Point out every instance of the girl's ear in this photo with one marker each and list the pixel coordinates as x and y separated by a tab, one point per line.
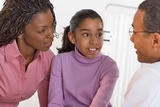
156	40
71	37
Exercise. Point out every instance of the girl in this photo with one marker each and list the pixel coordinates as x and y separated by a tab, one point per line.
81	76
26	34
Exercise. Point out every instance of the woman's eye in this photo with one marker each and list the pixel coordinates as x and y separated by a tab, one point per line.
41	31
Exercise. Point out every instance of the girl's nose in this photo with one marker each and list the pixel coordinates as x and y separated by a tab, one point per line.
93	40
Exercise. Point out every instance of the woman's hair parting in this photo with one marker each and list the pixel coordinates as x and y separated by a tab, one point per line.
75	22
16	15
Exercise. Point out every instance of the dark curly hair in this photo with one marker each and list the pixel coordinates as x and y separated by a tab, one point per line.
75	22
16	15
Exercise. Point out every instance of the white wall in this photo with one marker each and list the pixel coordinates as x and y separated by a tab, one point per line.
64	10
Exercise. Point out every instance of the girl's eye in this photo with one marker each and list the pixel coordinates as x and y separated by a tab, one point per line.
100	34
85	34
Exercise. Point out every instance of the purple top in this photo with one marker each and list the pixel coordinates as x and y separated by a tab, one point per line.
77	81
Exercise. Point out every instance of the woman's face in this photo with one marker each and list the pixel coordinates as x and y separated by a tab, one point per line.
38	33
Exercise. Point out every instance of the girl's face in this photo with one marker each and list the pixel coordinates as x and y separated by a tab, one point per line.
38	33
88	37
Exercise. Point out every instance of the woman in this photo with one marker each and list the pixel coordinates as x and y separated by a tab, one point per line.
26	34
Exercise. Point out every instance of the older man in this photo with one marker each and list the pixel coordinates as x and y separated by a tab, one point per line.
144	87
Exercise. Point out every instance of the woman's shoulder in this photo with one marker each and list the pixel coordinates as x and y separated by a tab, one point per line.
48	53
2	54
47	56
2	50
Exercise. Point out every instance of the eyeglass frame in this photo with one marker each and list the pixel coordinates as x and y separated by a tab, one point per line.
134	32
55	33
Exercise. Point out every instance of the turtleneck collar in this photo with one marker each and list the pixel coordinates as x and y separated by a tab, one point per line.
82	59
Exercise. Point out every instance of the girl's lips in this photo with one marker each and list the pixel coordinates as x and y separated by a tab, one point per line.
93	50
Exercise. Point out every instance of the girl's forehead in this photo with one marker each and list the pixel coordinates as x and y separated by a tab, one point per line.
90	20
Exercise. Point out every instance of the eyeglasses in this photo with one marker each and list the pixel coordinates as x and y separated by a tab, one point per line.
56	34
131	31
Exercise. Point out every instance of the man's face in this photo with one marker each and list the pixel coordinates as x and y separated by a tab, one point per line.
143	42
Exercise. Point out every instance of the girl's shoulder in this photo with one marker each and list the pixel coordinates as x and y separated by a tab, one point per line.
107	58
64	56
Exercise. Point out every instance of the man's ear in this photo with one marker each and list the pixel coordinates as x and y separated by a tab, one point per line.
71	37
156	40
